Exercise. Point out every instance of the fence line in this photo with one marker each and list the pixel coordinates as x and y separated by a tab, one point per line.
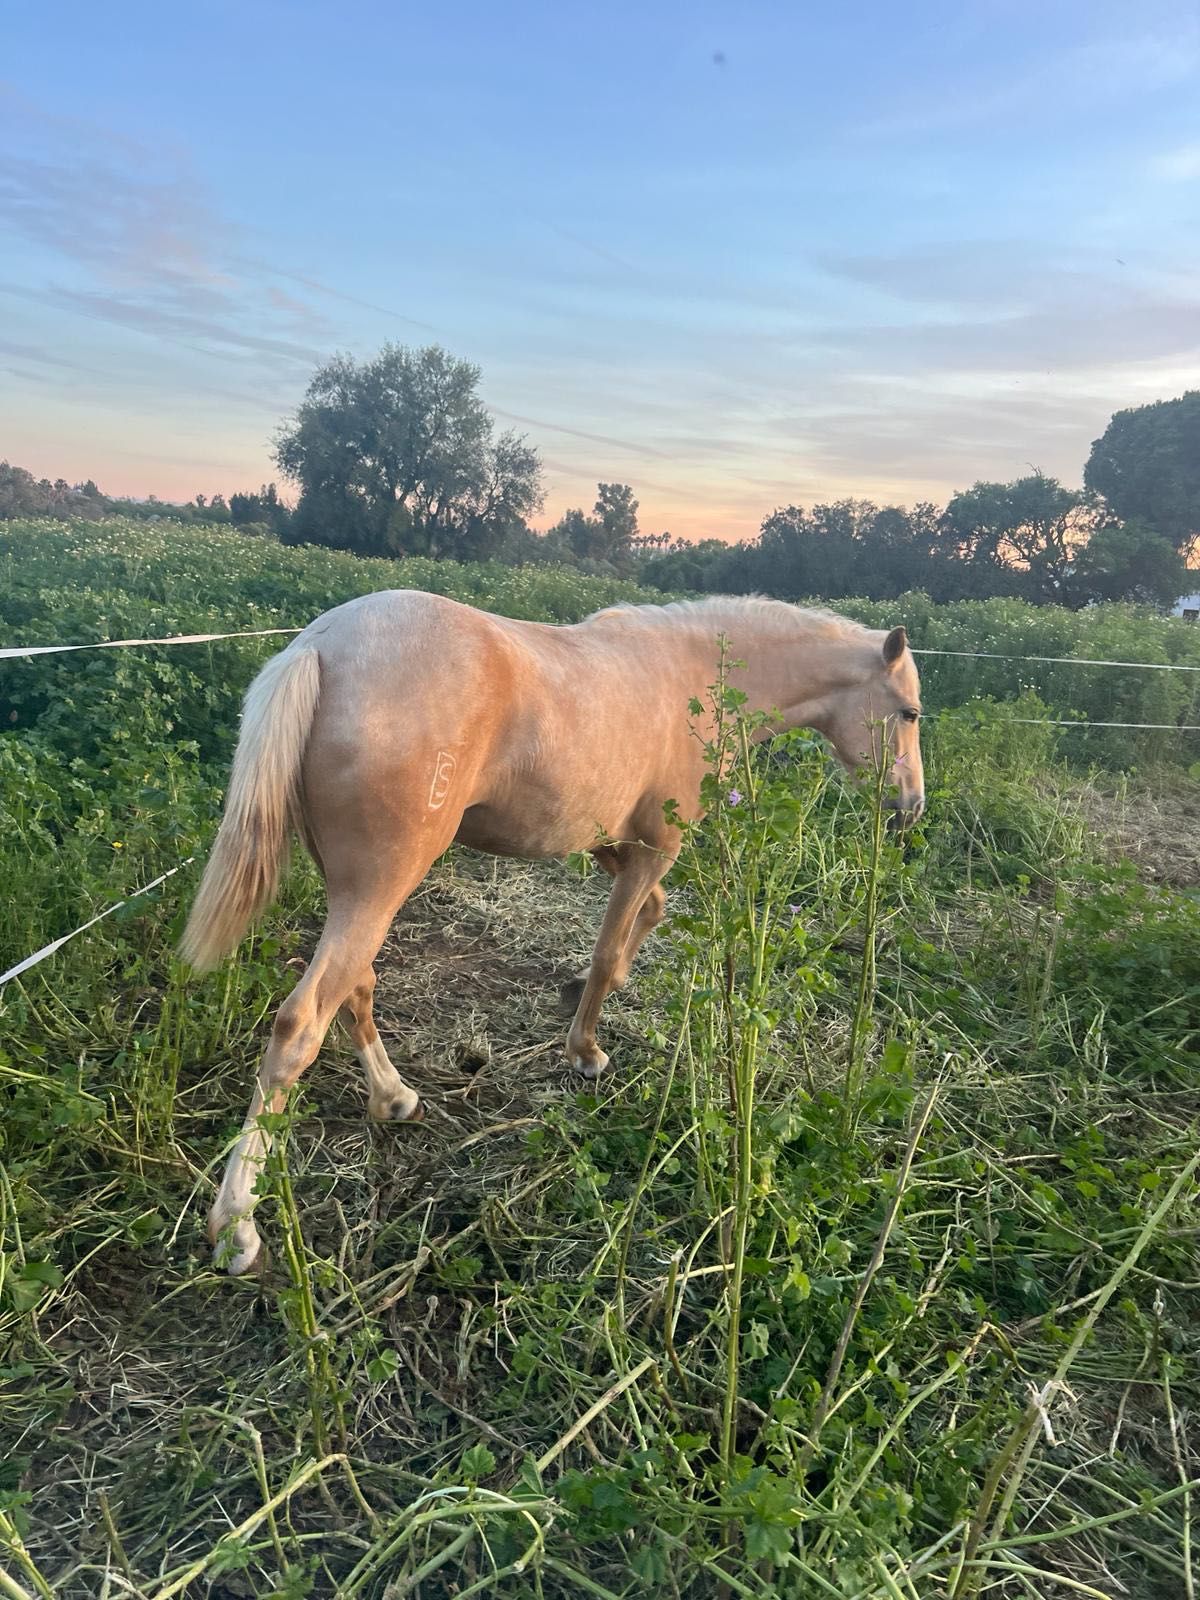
1085	722
9	652
57	944
12	652
1063	661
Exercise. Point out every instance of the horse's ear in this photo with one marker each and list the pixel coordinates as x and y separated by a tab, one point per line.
894	647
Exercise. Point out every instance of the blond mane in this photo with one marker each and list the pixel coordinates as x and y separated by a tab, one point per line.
818	618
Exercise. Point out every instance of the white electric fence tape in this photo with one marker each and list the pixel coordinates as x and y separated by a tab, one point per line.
1065	722
1061	661
57	944
8	652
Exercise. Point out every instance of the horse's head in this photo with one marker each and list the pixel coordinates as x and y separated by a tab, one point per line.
875	723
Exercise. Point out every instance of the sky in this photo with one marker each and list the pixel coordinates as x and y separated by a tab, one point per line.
736	255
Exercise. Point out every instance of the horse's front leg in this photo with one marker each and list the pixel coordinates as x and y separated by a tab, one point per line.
650	914
638	870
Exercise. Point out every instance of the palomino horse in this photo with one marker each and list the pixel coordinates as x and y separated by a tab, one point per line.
401	722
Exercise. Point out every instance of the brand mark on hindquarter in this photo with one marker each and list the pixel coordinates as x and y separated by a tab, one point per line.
443	775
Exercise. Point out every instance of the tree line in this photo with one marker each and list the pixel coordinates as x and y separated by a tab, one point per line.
398	455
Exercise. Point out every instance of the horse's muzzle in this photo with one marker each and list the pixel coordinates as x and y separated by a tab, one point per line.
901	816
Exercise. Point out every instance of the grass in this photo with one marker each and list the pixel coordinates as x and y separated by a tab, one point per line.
870	1270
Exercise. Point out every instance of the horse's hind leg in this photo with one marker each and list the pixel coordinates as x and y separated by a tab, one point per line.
389	1098
639	869
354	930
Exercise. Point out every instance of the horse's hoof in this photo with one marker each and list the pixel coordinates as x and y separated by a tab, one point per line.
399	1110
250	1262
589	1066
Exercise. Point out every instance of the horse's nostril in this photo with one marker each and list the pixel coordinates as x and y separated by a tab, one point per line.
901	816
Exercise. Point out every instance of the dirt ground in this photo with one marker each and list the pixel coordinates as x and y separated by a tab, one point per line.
1154	822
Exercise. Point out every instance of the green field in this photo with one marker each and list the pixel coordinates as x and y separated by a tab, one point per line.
870	1270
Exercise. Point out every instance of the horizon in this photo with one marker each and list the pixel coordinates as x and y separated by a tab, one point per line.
734	259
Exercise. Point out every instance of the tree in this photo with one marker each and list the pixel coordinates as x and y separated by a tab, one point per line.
262	510
1130	561
1028	529
608	536
701	567
494	509
396	454
617	511
802	554
1146	464
23	495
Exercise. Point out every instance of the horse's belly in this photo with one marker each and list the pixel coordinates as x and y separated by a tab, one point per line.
531	834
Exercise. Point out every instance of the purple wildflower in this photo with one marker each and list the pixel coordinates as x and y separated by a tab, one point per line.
735	797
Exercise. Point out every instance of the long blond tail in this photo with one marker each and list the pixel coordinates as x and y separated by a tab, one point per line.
261	808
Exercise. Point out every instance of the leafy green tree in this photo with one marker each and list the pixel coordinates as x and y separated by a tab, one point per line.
803	553
607	537
577	535
1130	561
23	495
617	511
1028	530
1146	464
701	567
261	509
397	454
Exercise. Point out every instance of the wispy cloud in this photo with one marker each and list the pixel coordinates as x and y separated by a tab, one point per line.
20	350
1014	307
274	270
630	445
128	236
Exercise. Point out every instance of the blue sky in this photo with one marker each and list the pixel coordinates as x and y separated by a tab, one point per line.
736	255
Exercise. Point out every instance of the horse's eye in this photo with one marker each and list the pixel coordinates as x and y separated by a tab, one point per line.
911	716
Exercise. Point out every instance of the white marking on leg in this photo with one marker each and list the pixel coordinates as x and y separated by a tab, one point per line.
389	1098
590	1066
236	1242
443	776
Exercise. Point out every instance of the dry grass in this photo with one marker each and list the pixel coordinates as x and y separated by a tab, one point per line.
1153	821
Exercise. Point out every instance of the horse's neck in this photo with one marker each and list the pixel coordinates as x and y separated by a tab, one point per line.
786	660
